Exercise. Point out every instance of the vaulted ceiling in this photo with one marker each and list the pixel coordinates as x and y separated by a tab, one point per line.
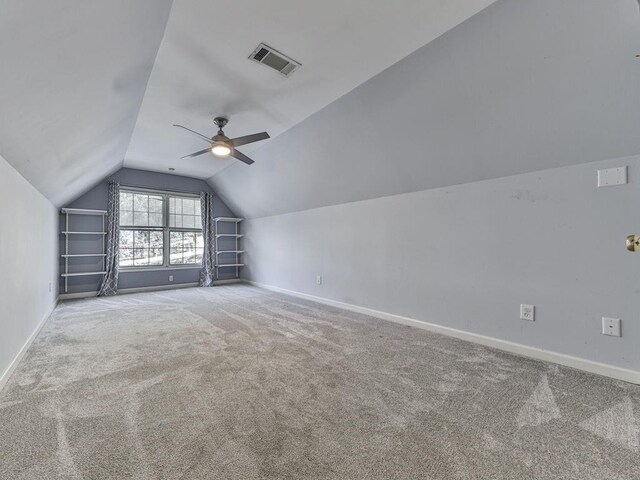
90	86
203	70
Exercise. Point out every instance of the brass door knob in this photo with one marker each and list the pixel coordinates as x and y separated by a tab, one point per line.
633	243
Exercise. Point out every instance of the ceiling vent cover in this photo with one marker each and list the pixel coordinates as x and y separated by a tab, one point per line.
270	57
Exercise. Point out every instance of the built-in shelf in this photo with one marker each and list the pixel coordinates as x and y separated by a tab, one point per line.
236	238
67	256
82	274
83	211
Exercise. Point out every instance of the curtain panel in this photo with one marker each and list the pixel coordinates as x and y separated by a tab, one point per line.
109	284
207	272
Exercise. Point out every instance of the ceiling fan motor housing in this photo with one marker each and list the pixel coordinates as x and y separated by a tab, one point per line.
220	122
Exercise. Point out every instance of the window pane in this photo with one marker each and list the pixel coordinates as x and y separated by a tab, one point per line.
141	239
155	204
199	247
156	240
126	201
126	239
188	221
156	256
126	217
141	219
186	248
188	207
138	262
155	219
141	210
185	213
141	247
126	257
140	202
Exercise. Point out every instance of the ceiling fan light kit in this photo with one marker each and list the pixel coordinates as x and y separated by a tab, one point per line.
223	146
220	149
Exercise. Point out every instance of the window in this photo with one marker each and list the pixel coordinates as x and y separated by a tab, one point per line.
159	229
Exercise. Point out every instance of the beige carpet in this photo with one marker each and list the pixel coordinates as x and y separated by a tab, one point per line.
236	382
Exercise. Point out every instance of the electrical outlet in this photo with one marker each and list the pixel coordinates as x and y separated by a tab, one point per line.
319	280
171	278
49	287
611	326
527	312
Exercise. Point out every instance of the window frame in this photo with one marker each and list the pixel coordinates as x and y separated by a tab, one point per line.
165	228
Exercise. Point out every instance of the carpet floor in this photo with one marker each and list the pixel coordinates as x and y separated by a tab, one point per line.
236	382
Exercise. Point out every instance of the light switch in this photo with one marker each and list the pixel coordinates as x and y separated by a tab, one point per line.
612	176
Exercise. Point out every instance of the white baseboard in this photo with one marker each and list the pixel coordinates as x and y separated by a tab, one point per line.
4	378
155	288
611	371
229	281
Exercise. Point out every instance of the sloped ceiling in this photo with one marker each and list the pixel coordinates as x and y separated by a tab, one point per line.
73	75
203	70
522	86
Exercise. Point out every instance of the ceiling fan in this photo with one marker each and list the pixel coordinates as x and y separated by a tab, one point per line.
223	146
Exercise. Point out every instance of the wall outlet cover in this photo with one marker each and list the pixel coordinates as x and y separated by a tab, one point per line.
611	327
319	280
612	176
171	278
527	312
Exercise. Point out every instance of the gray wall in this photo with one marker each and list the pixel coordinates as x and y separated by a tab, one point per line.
96	198
28	261
522	86
467	256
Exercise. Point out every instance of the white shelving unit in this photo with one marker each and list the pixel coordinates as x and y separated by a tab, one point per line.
236	263
81	211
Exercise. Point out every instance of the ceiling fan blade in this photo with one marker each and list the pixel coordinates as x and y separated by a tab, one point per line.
256	137
201	152
204	137
241	156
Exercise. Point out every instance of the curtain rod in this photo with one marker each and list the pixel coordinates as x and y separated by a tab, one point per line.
160	190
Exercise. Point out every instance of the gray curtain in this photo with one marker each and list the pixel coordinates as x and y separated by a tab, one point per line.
207	272
110	281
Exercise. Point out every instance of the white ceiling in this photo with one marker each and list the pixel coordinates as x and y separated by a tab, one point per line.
202	69
72	77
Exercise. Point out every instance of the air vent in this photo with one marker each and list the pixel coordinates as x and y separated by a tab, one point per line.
270	57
